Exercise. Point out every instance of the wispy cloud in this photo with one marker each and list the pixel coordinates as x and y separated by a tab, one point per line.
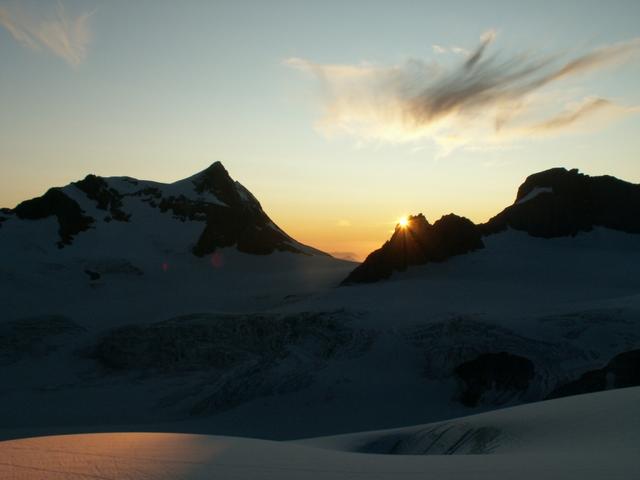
485	98
441	49
54	29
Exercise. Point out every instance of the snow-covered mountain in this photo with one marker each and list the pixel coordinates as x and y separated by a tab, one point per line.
222	212
128	322
124	250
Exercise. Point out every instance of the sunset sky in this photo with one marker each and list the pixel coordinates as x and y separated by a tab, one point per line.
339	116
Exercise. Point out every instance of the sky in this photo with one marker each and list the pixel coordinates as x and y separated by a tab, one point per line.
339	116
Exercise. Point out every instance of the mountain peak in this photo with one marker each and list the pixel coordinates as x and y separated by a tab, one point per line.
215	179
559	202
418	243
216	168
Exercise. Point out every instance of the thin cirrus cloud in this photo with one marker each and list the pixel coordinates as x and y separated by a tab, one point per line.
484	99
55	30
440	49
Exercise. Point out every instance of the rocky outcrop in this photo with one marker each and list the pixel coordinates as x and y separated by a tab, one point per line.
106	198
622	371
240	221
216	180
496	373
71	218
560	202
418	243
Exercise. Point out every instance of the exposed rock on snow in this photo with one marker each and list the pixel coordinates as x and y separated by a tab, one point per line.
622	371
106	198
71	218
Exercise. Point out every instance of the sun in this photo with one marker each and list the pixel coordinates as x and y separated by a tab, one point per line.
403	222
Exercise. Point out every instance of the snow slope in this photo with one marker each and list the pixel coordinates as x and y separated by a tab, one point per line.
594	436
603	421
568	305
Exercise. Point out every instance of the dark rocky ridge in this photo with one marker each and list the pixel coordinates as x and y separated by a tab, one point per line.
240	222
55	202
96	188
416	244
216	180
575	203
622	371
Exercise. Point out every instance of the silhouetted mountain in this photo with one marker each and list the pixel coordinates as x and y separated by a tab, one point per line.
553	203
230	214
560	202
416	243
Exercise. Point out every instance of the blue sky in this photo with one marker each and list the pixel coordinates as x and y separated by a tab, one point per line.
160	90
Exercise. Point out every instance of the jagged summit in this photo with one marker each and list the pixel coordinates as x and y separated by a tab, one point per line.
417	243
215	180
